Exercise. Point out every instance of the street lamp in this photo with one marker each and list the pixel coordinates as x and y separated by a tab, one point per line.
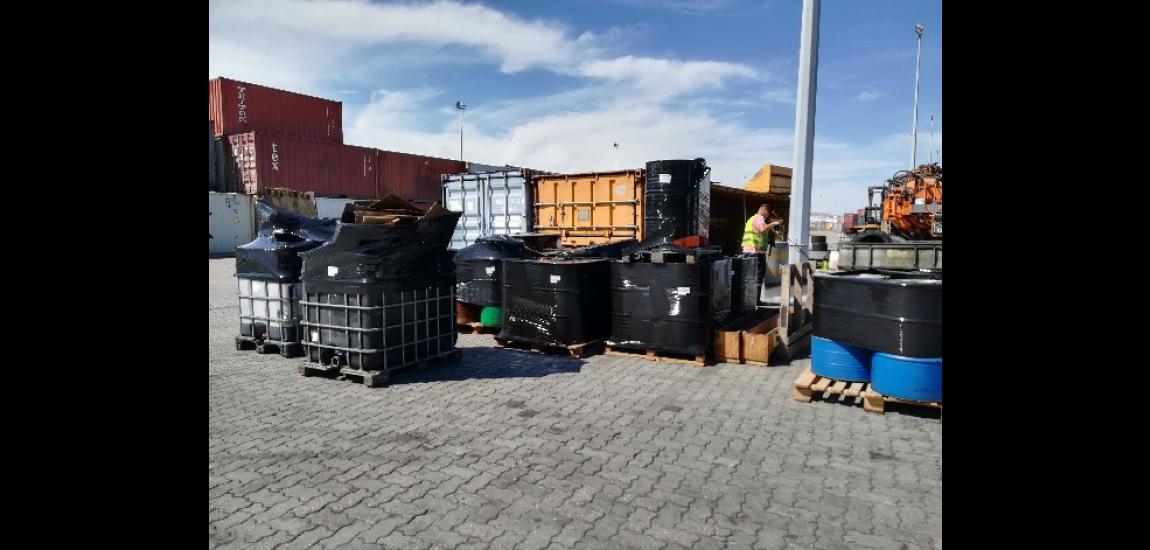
460	106
918	28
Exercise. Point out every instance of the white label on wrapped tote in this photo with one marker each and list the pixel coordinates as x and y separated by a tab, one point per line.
490	270
332	271
556	279
683	290
664	178
315	336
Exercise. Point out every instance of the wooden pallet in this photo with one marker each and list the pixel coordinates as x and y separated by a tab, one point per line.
656	355
581	349
476	328
809	384
372	378
286	349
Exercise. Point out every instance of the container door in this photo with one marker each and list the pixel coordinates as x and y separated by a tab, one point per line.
546	212
462	193
507	203
229	222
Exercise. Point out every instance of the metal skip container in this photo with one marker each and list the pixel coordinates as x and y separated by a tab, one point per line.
589	208
494	203
231	222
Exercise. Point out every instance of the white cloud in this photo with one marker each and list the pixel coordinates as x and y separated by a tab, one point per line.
867	95
651	106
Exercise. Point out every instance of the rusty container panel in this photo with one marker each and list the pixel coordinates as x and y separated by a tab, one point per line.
414	177
590	208
263	161
237	107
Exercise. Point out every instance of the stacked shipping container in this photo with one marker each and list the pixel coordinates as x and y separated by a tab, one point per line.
239	107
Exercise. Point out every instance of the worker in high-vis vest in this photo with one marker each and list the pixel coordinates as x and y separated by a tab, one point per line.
755	232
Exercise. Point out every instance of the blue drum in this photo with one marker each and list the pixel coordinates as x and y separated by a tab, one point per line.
839	361
911	378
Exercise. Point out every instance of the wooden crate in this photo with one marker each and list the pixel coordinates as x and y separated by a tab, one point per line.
749	339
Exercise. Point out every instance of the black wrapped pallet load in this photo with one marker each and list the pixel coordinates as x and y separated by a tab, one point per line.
667	307
408	254
268	273
677	199
381	295
745	283
883	313
556	301
479	269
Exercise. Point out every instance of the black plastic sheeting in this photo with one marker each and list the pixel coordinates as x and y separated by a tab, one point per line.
566	301
408	255
282	236
677	199
612	251
479	269
897	315
745	283
667	306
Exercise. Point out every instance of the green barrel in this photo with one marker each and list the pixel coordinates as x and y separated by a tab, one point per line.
491	316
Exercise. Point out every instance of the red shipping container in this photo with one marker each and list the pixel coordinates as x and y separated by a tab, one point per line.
238	107
264	161
414	177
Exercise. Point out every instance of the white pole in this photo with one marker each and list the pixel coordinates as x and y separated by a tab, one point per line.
799	223
918	28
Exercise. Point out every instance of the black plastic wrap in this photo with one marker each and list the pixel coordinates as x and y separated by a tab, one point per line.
282	236
565	301
677	199
745	283
479	269
612	251
402	255
896	315
666	307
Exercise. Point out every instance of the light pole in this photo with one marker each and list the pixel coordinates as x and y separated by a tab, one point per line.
460	106
918	28
616	146
798	228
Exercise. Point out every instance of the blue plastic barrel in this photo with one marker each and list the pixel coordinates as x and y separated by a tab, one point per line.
912	378
838	361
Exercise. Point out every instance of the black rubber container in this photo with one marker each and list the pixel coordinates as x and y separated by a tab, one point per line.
888	314
677	199
744	283
667	306
479	269
557	301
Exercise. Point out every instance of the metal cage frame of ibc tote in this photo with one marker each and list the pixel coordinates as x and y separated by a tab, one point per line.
286	348
377	377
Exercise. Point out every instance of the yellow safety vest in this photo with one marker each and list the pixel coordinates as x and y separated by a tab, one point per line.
752	237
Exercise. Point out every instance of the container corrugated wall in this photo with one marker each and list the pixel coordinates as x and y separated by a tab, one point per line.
495	203
231	222
239	107
414	177
589	208
264	161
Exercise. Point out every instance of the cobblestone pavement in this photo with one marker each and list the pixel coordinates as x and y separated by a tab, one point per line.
507	449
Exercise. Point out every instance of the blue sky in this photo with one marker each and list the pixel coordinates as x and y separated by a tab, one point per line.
551	85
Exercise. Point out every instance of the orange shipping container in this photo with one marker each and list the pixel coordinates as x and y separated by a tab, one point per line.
590	208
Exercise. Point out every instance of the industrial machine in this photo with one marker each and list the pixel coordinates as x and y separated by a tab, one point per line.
909	207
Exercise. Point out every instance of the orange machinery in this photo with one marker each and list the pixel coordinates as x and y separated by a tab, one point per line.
910	207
